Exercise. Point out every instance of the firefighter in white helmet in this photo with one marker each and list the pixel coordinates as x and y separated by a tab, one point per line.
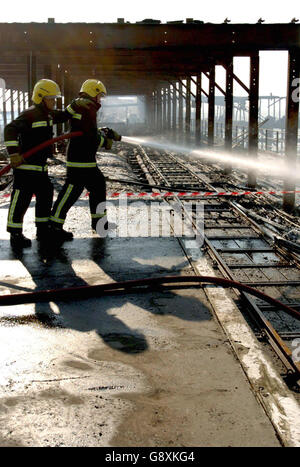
82	170
31	128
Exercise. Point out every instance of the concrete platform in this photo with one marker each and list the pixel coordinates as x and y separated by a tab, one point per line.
152	369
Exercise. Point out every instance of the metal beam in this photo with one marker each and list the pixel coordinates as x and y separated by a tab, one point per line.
164	110
198	108
211	106
188	107
169	109
59	78
202	90
217	86
228	112
192	94
181	93
174	109
31	73
253	115
12	107
19	102
159	110
180	109
73	36
291	134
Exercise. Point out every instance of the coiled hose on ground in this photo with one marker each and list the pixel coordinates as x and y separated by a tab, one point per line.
88	291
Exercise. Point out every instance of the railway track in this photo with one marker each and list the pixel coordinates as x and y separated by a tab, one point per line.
242	250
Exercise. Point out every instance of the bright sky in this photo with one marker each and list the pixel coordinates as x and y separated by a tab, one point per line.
214	11
273	64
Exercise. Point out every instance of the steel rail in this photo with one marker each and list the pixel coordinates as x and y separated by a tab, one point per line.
272	336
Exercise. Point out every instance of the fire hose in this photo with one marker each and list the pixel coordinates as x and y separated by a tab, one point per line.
89	291
41	146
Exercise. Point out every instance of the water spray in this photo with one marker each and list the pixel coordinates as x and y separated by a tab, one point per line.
278	169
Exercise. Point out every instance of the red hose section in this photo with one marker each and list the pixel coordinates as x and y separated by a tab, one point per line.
41	146
87	291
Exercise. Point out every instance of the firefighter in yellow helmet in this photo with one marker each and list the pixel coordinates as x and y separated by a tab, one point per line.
31	128
93	88
82	170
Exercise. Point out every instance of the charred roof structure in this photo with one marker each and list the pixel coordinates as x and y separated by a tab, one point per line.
152	59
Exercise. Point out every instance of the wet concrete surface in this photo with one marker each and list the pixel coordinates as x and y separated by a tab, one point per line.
149	369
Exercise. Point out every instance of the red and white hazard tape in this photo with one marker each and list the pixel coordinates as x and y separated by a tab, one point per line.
186	194
196	194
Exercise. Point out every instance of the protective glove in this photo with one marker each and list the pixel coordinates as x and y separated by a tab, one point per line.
101	138
106	137
111	134
103	141
108	143
16	159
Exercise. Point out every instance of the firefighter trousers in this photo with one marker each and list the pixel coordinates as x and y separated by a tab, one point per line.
26	184
77	179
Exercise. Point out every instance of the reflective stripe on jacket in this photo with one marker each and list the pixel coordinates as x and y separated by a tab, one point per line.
31	128
82	151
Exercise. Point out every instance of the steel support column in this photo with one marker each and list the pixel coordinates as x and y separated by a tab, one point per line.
12	107
31	73
149	110
67	90
211	106
180	110
67	93
174	109
155	110
188	108
253	115
169	103
152	110
4	108
164	125
228	113
291	134
59	78
159	110
198	108
19	102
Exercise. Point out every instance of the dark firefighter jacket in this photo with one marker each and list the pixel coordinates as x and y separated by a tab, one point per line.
31	128
82	150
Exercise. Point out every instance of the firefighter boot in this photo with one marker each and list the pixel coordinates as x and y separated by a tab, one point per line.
58	234
43	233
18	241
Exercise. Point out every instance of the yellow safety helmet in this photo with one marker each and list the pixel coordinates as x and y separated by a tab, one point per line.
45	88
93	87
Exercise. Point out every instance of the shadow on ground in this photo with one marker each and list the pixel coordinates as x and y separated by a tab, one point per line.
111	258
